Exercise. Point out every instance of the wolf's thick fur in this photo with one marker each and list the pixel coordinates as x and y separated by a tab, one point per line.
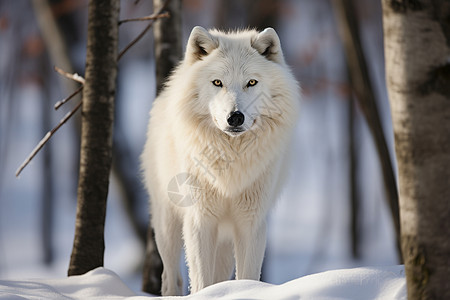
235	169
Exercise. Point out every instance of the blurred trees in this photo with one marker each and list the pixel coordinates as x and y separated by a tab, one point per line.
260	14
124	164
317	69
55	50
417	49
361	86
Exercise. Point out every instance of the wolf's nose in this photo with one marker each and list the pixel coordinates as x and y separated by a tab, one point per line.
236	118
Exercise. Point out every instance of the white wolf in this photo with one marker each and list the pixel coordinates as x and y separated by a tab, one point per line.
221	128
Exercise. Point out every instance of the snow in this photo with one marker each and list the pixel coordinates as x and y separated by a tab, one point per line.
101	283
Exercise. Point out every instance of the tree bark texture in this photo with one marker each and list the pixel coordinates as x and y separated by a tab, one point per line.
128	183
355	212
168	53
417	51
167	32
153	267
96	136
48	178
365	95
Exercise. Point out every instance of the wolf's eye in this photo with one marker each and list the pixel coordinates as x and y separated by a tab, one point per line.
217	82
252	82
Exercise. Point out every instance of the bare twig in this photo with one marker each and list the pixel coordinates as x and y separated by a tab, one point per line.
46	138
131	44
150	17
73	76
65	100
81	80
147	28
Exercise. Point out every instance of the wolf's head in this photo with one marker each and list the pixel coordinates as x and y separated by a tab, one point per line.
236	76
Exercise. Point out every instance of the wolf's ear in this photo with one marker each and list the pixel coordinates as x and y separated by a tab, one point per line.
200	44
268	45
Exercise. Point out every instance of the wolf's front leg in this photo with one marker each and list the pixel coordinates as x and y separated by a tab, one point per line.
200	241
169	241
250	243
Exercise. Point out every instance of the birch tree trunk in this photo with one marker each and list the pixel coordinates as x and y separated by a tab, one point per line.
96	136
417	50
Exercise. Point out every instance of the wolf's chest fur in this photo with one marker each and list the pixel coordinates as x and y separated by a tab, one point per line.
231	166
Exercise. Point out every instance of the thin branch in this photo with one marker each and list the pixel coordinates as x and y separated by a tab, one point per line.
73	76
147	28
46	138
81	80
65	100
150	17
131	44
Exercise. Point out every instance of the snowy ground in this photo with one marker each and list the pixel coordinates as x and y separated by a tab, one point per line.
360	283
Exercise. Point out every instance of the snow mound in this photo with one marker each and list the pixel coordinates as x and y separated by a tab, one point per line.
101	283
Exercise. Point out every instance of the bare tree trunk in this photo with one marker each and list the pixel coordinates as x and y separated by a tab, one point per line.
128	183
355	231
258	14
153	267
167	31
417	50
96	136
361	85
263	13
168	52
48	195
